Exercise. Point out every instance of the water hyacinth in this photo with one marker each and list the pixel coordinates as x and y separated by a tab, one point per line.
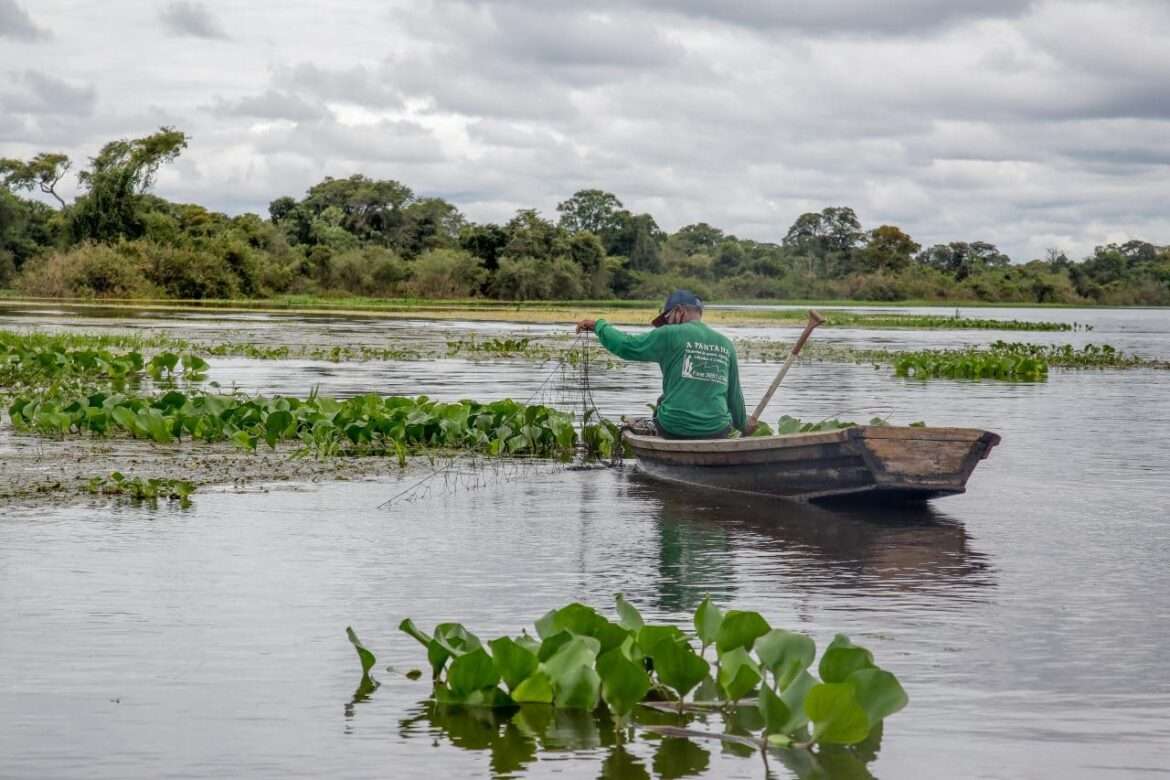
369	424
971	364
579	659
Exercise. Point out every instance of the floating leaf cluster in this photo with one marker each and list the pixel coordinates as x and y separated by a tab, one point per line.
54	389
942	322
139	489
580	659
364	425
971	364
30	361
1068	356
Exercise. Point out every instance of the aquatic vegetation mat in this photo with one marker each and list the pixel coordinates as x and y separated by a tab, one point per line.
137	488
579	659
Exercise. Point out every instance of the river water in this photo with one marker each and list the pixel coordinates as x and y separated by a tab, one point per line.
1027	619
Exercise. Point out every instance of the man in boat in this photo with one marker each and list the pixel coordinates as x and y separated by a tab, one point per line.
701	397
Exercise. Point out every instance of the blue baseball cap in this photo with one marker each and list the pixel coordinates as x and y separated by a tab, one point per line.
675	299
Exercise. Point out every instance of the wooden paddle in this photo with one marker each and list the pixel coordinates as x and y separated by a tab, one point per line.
814	319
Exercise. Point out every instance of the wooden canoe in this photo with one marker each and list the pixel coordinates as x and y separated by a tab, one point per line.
863	462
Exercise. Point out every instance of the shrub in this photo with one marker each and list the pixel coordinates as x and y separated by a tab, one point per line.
447	273
521	279
89	271
374	271
652	286
7	267
753	285
189	273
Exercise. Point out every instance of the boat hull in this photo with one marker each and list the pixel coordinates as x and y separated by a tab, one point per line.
863	462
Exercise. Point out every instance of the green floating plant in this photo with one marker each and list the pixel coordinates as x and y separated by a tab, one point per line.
972	364
580	659
139	489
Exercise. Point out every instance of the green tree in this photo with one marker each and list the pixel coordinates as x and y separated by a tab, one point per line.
530	235
888	249
961	259
487	242
827	239
594	211
371	210
697	238
27	228
429	223
115	182
44	171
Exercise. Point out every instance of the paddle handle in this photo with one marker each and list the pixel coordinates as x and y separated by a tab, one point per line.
814	319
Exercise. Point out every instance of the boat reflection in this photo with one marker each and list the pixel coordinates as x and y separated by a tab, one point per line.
706	538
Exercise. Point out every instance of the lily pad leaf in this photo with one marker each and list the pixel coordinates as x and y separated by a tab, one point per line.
577	688
708	618
537	689
740	629
577	618
623	682
578	651
793	697
842	658
678	666
837	717
611	635
364	655
878	692
408	627
738	673
472	672
785	654
650	636
628	615
775	711
514	662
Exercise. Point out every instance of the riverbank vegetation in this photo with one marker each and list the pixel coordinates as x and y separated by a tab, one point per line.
358	236
581	660
630	312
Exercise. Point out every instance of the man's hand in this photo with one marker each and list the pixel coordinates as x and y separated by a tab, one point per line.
586	325
751	426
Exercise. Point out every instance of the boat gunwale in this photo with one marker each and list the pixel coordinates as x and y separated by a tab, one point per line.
655	444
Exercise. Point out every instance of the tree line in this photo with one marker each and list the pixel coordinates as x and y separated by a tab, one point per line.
367	237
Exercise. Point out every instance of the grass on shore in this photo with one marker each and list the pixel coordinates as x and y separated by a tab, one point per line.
618	312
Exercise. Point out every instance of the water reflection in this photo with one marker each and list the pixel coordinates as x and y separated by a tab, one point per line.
705	537
515	739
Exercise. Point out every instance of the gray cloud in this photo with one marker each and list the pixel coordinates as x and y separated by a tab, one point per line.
826	17
191	18
270	104
40	93
1030	124
372	87
380	142
891	17
15	23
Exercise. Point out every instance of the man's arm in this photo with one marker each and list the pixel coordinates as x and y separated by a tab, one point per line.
735	398
646	347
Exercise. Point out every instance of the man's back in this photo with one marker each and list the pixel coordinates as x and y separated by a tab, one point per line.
701	395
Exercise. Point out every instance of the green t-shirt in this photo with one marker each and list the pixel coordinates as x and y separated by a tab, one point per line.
701	395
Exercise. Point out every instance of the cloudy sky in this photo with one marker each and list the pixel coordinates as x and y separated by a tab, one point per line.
1031	124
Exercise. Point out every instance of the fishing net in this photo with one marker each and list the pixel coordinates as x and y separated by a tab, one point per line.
566	386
